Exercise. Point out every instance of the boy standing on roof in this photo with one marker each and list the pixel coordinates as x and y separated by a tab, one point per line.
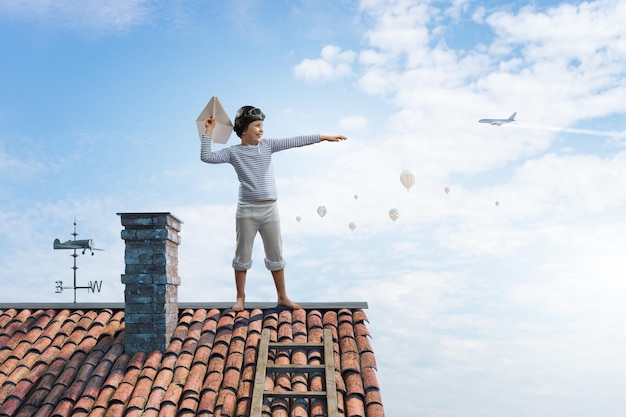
257	210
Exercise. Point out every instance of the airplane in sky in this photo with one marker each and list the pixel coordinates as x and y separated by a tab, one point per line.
84	244
499	122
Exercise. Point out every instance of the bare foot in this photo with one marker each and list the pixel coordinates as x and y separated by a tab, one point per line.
239	305
286	302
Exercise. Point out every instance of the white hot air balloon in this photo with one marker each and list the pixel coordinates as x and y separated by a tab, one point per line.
394	214
407	178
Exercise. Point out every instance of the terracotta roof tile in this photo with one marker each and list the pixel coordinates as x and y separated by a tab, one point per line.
181	370
207	402
368	360
26	411
359	316
94	386
374	410
354	384
112	382
350	361
72	362
193	387
132	411
173	393
13	402
6	316
21	389
145	380
114	324
212	382
155	398
360	329
163	378
363	344
354	406
41	390
372	396
369	379
14	329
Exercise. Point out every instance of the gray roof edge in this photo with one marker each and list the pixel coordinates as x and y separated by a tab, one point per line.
184	305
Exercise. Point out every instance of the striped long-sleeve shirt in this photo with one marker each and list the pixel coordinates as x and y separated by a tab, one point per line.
253	163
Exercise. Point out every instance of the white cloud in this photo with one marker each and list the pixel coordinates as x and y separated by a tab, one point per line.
353	123
333	64
13	168
551	54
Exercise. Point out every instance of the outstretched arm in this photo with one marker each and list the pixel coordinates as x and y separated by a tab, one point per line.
278	145
332	138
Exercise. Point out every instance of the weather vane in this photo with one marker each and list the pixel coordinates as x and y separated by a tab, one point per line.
80	244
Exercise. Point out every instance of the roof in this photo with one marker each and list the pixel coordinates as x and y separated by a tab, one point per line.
71	361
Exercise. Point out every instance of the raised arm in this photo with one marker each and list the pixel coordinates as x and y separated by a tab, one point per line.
206	148
209	124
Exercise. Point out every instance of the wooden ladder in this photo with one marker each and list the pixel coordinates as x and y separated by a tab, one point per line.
327	368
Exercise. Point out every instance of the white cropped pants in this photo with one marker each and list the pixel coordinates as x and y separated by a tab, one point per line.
264	219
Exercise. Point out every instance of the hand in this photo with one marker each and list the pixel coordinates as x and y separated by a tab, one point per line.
333	138
209	124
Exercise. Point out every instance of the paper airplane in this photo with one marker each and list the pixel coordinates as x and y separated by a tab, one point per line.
223	128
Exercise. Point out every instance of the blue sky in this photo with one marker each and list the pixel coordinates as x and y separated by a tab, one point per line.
476	309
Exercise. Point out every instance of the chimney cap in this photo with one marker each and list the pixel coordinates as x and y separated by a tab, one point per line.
146	214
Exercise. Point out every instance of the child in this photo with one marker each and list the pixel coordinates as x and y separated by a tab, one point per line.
257	210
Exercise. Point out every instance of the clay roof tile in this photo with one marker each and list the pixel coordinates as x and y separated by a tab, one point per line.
13	401
6	316
194	382
372	396
114	324
370	381
359	316
374	410
72	361
354	406
368	360
363	344
255	321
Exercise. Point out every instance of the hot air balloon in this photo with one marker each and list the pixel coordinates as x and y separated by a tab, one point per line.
298	219
497	203
447	190
407	178
394	214
356	197
352	225
321	210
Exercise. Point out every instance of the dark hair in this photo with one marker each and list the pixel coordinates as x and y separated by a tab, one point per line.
245	116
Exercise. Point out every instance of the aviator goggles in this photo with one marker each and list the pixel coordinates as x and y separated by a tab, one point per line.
250	113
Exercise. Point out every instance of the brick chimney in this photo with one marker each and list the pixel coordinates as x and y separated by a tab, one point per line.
151	278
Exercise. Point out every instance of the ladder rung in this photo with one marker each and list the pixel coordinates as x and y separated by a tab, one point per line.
295	368
294	394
